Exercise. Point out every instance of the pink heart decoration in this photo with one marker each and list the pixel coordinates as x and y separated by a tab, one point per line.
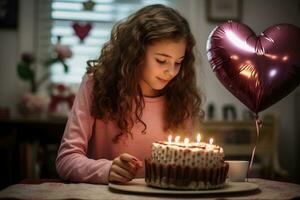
82	30
258	70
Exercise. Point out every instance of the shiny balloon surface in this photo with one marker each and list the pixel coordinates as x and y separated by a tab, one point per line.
258	70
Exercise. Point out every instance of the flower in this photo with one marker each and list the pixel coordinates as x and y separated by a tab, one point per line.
63	52
28	58
27	67
26	70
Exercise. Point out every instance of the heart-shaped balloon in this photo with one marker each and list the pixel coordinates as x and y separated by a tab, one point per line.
82	30
258	70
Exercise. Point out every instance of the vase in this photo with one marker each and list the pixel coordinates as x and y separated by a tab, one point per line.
32	105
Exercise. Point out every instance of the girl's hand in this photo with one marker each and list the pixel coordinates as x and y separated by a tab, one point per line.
124	168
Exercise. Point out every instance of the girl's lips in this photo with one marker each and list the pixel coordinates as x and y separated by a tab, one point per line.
163	80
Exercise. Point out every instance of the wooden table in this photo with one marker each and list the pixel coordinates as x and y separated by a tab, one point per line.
56	189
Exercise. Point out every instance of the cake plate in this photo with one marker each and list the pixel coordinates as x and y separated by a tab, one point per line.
138	185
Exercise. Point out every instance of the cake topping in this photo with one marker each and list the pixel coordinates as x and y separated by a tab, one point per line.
187	144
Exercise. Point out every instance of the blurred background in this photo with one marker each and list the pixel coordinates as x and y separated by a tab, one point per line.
44	46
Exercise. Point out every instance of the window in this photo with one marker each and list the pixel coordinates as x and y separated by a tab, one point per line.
56	19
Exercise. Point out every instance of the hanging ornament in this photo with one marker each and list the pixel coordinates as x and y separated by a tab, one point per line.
82	30
88	5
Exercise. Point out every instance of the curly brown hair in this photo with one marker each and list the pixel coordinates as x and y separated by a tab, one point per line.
118	70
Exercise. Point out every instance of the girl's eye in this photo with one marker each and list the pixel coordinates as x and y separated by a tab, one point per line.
161	61
178	63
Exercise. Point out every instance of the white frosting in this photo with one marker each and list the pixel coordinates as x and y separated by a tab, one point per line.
193	154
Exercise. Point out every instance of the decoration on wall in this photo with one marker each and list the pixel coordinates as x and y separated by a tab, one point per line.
8	14
88	5
258	70
82	30
223	10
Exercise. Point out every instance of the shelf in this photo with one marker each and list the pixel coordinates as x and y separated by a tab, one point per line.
233	124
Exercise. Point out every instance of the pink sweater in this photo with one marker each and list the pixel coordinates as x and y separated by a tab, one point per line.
86	153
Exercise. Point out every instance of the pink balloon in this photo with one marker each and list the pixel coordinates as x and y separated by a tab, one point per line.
258	70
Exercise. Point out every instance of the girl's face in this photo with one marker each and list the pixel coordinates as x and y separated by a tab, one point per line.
162	63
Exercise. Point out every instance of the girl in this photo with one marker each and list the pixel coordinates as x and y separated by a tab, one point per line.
141	87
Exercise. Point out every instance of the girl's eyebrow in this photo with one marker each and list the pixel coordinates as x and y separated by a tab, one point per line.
166	55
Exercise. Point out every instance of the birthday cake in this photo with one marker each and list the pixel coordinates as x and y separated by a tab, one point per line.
186	166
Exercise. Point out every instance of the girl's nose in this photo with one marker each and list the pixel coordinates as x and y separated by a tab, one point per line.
171	71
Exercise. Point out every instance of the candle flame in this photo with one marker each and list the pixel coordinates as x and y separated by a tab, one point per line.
186	140
198	138
177	138
211	140
170	138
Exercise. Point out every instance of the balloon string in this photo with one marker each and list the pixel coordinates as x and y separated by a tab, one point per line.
258	124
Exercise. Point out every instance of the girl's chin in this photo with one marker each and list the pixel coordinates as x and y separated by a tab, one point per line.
155	92
154	89
158	88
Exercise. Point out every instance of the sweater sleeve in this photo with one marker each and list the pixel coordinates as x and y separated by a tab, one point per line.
72	162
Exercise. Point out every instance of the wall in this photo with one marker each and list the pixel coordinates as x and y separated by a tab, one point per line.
256	14
12	43
8	53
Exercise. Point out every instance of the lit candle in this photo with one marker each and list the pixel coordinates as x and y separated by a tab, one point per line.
198	138
170	139
177	138
210	145
186	141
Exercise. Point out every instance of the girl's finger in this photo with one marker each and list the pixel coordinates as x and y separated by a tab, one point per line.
131	159
114	177
126	165
122	172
